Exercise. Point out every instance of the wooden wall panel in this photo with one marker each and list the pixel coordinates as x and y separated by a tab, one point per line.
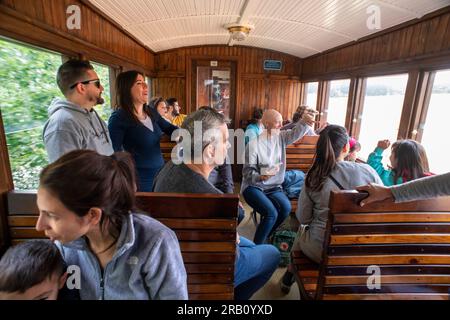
423	44
256	88
43	23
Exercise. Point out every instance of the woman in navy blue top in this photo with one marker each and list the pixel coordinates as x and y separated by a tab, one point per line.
137	128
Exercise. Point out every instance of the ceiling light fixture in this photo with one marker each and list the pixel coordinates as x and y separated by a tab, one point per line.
239	32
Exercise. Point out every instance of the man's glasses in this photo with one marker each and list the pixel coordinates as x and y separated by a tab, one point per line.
95	81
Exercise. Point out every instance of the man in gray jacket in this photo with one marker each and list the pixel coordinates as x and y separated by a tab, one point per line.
73	123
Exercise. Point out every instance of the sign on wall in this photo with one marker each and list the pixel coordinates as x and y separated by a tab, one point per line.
273	65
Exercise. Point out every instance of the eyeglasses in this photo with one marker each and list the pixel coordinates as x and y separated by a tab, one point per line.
95	81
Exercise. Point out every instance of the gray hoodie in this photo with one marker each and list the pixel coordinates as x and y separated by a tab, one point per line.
71	127
146	266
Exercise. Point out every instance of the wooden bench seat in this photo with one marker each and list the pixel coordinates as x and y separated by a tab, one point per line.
204	224
408	243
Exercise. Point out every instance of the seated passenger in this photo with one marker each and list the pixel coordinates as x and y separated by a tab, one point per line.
137	128
221	177
86	204
329	172
255	126
408	162
355	147
264	171
173	112
32	270
254	264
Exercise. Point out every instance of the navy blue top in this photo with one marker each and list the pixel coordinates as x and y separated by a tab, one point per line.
129	135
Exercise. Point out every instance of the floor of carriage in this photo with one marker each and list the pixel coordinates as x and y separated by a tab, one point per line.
271	291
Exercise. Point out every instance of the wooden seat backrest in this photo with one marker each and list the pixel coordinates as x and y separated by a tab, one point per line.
408	243
205	225
166	146
300	155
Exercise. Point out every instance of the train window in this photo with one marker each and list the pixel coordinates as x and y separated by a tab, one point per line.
436	121
337	103
28	86
383	103
311	97
102	71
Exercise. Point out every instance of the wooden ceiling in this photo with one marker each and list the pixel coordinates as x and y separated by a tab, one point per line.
298	27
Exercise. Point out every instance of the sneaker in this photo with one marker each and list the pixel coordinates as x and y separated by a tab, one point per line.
286	282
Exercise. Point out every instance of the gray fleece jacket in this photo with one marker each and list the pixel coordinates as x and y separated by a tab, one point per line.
146	266
312	210
71	127
267	152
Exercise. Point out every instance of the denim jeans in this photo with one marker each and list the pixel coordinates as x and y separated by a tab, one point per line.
254	266
274	207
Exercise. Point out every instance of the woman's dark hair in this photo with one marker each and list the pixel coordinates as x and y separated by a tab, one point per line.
329	147
412	161
257	115
83	179
124	100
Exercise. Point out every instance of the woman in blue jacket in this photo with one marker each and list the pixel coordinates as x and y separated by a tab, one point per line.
86	204
137	128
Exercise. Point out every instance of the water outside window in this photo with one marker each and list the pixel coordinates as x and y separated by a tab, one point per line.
435	135
383	103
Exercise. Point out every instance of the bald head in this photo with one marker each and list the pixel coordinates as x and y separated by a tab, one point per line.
272	119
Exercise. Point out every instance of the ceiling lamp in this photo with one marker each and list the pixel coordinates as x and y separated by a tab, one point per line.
239	32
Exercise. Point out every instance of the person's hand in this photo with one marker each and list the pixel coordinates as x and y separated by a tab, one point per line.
238	239
383	144
241	205
264	177
376	193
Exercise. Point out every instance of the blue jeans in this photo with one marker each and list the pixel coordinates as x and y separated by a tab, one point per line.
274	207
254	266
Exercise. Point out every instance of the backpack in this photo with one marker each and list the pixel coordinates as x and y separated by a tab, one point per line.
283	240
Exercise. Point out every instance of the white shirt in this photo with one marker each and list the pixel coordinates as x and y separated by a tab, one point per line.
148	123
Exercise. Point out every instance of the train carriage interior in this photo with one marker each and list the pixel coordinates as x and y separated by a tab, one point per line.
291	77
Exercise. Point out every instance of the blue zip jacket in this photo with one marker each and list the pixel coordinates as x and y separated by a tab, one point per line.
146	266
386	175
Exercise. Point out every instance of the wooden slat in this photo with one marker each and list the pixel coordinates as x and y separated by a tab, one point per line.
25	233
210	288
184	205
205	224
208	257
387	249
388	259
201	235
211	296
382	228
210	278
208	268
208	246
22	221
348	202
390	279
388	288
392	217
389	270
387	296
389	238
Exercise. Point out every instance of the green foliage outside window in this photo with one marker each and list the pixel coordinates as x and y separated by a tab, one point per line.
28	85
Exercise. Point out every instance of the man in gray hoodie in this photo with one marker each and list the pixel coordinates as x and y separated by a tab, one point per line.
73	123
